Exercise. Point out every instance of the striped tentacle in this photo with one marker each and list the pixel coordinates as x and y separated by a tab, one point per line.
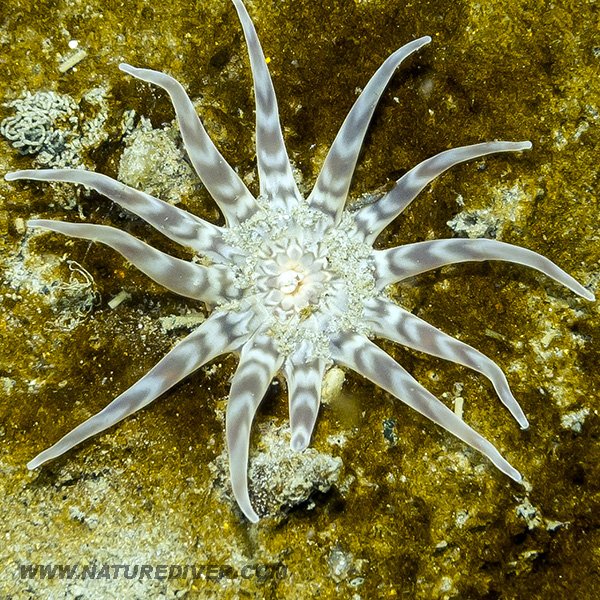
304	381
221	181
389	321
373	219
259	362
406	261
363	356
177	224
220	333
277	182
331	188
209	284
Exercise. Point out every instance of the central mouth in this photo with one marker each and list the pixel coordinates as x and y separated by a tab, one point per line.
290	281
293	278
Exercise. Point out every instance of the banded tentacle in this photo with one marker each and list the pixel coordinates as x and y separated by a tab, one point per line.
363	356
221	181
390	321
176	224
220	333
333	182
209	284
396	264
259	362
304	379
277	182
374	218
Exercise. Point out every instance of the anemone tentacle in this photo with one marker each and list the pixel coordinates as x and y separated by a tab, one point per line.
221	181
374	218
331	189
392	322
175	223
396	264
259	362
277	183
304	381
208	284
363	356
220	333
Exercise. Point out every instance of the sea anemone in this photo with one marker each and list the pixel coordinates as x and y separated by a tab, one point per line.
294	284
